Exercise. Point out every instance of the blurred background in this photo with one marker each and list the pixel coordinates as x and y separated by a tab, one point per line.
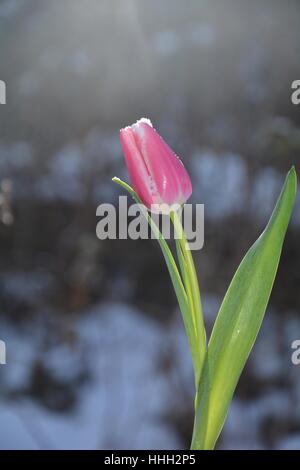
96	352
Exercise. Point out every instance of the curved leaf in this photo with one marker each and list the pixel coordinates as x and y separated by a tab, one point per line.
176	281
239	320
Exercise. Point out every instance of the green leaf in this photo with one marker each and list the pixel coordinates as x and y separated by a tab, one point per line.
239	320
176	281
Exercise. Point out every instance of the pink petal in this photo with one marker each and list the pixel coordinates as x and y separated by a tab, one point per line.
139	176
172	180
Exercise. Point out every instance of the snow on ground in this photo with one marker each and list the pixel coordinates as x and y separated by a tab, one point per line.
122	406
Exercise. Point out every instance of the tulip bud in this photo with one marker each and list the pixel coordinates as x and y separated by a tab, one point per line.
156	173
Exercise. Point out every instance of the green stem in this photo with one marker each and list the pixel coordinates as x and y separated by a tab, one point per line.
185	285
192	289
189	276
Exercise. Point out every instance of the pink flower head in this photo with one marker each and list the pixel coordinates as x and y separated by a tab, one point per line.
156	173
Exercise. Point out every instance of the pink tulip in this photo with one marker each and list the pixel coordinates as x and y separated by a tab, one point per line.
156	173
